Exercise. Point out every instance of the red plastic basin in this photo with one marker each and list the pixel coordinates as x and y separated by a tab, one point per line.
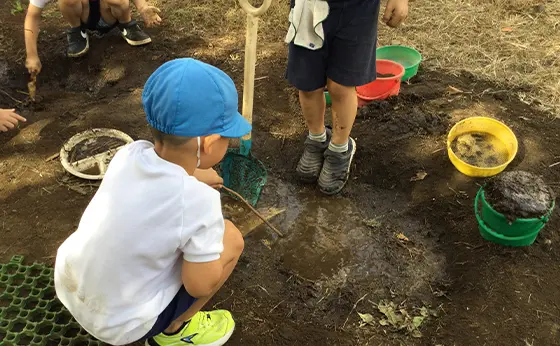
382	87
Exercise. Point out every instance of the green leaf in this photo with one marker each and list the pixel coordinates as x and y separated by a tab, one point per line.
424	311
384	322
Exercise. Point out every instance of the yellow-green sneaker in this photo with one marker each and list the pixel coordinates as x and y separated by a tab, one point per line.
206	328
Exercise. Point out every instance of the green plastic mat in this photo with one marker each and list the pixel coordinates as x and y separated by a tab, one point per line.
30	313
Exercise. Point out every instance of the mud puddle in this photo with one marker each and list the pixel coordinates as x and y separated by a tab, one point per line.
343	241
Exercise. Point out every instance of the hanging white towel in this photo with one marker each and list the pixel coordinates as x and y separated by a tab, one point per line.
306	23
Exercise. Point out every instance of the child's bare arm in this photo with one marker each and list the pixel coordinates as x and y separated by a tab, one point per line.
204	279
31	30
209	177
200	279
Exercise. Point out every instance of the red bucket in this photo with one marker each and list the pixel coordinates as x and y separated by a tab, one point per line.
382	87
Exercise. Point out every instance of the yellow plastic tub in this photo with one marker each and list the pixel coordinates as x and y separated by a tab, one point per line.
486	126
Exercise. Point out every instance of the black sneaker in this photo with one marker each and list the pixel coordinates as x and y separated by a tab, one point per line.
311	162
78	42
336	169
132	33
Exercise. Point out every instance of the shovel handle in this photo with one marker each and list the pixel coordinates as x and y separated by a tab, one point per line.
250	58
252	10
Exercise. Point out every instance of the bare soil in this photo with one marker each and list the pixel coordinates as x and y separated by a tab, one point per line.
403	230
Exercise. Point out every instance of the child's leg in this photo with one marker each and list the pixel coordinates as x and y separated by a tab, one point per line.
113	11
313	109
351	62
344	109
74	11
233	247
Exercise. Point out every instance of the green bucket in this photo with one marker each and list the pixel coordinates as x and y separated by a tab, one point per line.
408	57
496	228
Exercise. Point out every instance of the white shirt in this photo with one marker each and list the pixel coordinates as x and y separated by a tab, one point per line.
122	266
39	3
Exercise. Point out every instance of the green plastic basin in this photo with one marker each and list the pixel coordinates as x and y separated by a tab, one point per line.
409	57
496	228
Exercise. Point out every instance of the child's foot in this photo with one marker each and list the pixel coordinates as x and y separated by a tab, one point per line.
206	328
78	42
336	169
133	34
311	162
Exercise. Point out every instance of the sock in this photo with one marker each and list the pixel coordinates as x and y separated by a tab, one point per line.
322	137
338	148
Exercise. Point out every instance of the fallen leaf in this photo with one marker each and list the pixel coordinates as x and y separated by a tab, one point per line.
372	223
424	311
417	321
419	176
416	333
366	318
451	90
507	29
402	237
384	322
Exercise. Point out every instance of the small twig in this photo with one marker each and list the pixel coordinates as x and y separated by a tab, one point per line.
10	96
436	151
264	289
52	157
261	78
280	234
554	164
277	305
218	303
353	308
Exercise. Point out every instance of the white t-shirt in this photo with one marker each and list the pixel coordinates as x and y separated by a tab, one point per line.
39	3
122	266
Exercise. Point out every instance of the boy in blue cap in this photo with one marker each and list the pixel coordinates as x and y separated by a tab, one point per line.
152	247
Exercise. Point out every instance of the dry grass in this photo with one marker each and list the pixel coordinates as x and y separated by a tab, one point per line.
453	35
474	36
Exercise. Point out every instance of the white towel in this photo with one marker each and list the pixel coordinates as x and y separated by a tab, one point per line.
306	23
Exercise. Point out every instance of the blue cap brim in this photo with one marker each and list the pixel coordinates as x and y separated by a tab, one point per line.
238	127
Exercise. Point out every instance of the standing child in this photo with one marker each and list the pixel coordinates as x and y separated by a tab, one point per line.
152	246
332	44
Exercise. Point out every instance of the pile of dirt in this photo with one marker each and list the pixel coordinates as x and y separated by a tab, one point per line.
519	194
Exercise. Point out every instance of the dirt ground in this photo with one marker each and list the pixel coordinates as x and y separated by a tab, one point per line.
386	238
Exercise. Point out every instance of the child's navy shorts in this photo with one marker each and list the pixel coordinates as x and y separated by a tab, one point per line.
180	303
348	54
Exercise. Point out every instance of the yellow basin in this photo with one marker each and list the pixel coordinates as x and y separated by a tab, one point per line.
504	145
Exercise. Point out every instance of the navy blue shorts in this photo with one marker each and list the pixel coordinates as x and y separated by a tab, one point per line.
95	22
180	303
348	53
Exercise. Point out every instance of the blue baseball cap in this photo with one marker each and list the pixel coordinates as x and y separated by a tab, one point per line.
186	97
